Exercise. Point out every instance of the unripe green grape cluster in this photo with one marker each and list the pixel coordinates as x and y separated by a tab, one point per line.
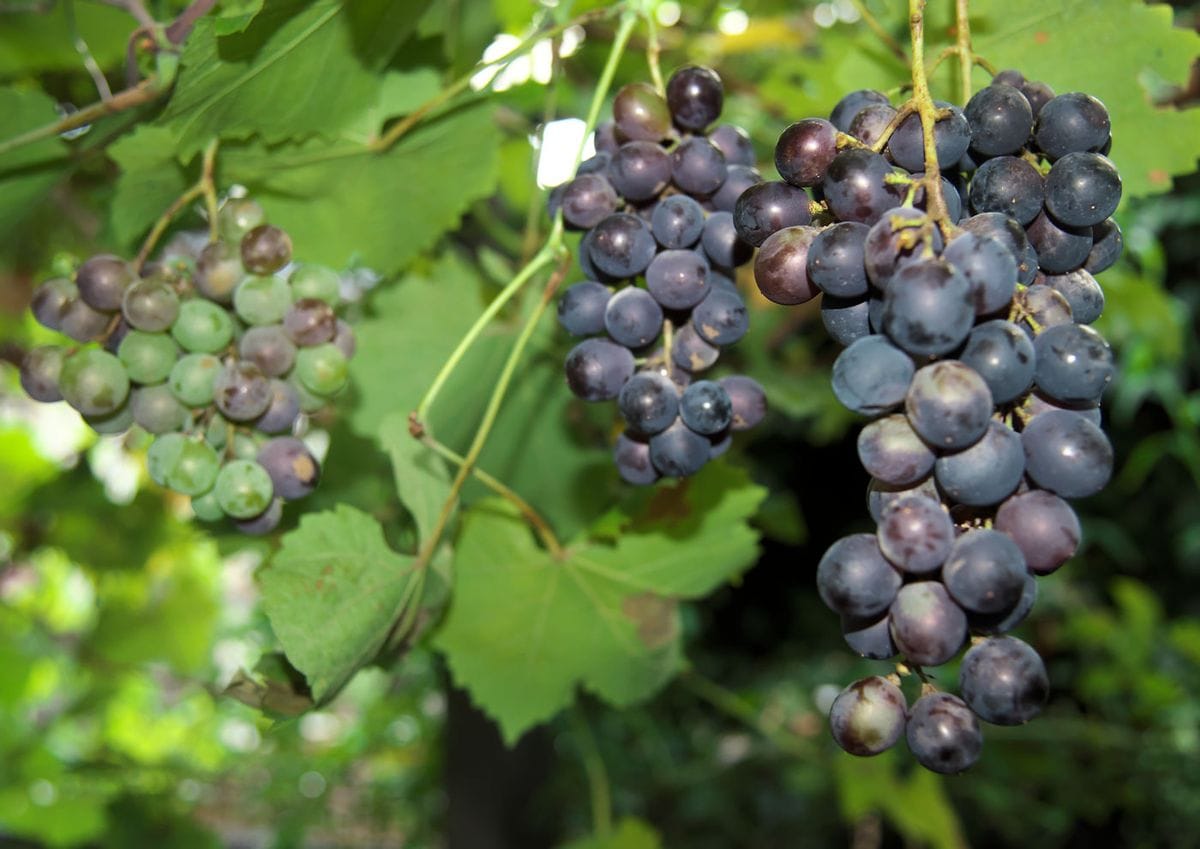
220	354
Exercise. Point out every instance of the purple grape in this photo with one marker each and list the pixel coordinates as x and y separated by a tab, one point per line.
1072	122
690	352
1060	248
1008	185
846	319
50	301
781	267
948	404
242	392
721	243
890	450
1082	190
1043	526
805	150
1003	356
649	403
868	717
1074	364
835	260
850	105
705	407
698	166
855	580
987	472
633	318
281	414
631	456
928	309
871	122
870	638
721	318
581	308
596	369
677	222
293	469
678	451
1107	245
640	113
855	187
872	376
1082	292
102	281
734	143
621	245
678	279
927	626
915	533
985	571
1004	681
767	208
943	734
1067	454
748	400
1001	120
951	136
989	267
738	178
588	199
695	96
639	171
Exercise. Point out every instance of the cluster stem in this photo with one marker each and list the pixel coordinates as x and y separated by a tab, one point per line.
924	106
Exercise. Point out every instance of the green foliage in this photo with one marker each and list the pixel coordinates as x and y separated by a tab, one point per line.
629	833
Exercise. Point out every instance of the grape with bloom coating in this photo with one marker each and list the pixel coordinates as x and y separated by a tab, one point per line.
868	716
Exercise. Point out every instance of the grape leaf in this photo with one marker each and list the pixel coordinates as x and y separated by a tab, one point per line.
297	69
525	628
347	204
914	801
29	172
422	482
151	179
630	833
1112	49
333	592
42	40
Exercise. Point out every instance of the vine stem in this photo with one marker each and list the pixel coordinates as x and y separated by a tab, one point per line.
962	42
653	54
205	187
928	112
540	525
597	774
404	125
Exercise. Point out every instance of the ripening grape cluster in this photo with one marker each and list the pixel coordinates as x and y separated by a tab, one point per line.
969	347
220	353
659	250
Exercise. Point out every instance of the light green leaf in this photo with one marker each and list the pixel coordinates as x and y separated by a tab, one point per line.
333	592
29	172
630	833
914	803
299	68
37	41
236	16
525	628
343	204
151	179
422	482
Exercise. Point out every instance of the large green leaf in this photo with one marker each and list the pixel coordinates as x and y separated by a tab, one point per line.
422	482
42	40
333	592
300	68
341	203
525	628
27	173
630	833
150	180
915	803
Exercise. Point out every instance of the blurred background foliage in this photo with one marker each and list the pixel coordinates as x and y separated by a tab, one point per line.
122	622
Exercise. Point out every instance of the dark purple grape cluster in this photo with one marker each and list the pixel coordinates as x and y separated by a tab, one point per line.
659	250
220	350
968	344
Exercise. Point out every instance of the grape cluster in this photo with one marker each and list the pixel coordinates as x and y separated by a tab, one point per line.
221	352
659	250
968	344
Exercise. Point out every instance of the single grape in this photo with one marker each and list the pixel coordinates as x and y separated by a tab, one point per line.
734	143
747	399
581	308
588	199
218	271
1060	248
721	243
989	267
1070	123
738	178
695	96
678	451
781	267
81	322
901	237
721	318
188	466
322	368
677	222
706	408
767	208
649	403
870	638
677	279
262	300
640	113
1008	185
1001	120
698	166
951	136
846	319
871	122
621	245
1107	245
238	216
605	137
928	309
193	378
310	322
102	281
985	571
633	317
206	508
991	624
835	261
987	472
915	533
147	357
850	105
639	171
269	348
281	413
872	376
243	489
1009	233
1082	189
293	469
1043	526
890	450
597	369
242	392
150	305
948	404
1066	454
1002	355
156	409
315	281
40	371
881	497
691	352
202	327
928	627
1082	292
855	187
50	301
805	150
1004	681
854	579
265	249
93	382
1074	364
868	717
943	734
1041	307
631	455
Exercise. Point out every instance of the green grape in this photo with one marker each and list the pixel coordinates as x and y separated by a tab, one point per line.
94	382
216	432
148	357
322	368
207	508
310	402
193	377
244	489
238	216
185	465
262	300
202	326
246	445
117	422
40	370
150	305
316	281
156	409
